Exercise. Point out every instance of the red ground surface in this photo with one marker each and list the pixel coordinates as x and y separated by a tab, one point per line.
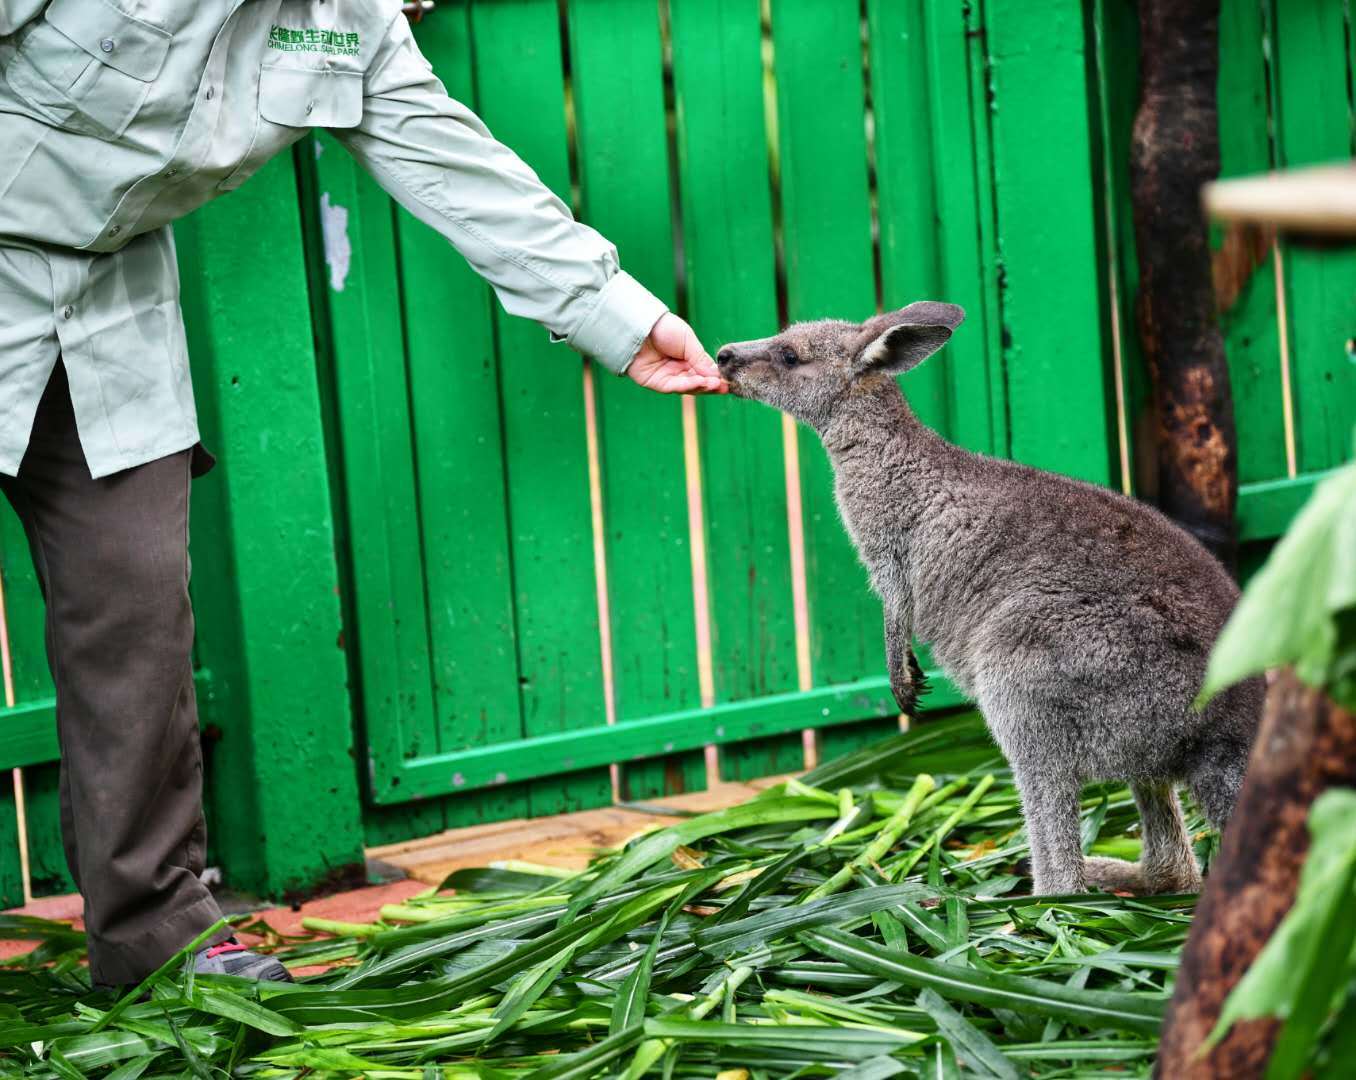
357	905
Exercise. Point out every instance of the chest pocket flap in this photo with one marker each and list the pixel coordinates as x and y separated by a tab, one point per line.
311	97
127	44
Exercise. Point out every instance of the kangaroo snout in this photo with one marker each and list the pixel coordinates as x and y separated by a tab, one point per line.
729	358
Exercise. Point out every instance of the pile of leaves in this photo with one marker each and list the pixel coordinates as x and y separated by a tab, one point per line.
868	921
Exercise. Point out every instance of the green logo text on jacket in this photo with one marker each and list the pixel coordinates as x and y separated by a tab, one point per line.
311	39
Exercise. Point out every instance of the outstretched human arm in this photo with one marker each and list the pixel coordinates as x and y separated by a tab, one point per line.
439	161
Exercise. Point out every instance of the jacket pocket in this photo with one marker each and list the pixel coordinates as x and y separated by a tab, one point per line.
87	66
293	101
311	97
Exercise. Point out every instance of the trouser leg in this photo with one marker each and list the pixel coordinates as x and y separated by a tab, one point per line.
112	556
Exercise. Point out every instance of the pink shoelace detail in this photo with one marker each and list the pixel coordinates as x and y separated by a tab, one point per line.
225	947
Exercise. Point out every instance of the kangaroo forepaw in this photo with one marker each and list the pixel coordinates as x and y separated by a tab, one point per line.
909	686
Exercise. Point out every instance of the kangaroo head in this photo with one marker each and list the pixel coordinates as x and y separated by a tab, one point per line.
810	369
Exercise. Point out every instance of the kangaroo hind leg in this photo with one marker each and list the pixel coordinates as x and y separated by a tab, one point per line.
1168	864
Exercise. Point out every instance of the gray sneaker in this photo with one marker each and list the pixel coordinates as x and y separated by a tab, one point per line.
232	958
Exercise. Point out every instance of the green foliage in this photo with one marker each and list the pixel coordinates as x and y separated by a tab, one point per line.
1306	970
1300	608
861	922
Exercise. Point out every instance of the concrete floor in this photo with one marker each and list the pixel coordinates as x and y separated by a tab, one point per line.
569	841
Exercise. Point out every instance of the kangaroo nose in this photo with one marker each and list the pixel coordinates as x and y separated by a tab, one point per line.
726	355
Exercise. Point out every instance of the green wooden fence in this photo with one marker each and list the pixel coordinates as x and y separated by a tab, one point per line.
439	554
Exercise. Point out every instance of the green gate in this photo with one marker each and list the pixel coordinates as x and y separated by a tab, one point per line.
545	571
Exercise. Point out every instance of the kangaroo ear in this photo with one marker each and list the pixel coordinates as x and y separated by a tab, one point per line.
899	341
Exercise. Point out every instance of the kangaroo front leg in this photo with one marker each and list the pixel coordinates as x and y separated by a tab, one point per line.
906	676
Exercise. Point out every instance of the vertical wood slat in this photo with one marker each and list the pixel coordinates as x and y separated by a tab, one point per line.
1313	124
1053	339
458	443
11	868
283	783
927	217
1113	88
617	71
13	871
25	625
728	244
1251	333
521	97
826	223
906	184
1116	45
359	296
955	71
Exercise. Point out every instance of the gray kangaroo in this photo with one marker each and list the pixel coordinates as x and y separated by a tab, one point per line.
1077	619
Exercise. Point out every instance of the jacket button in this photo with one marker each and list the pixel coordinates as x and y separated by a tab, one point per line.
210	92
67	311
310	107
107	44
115	230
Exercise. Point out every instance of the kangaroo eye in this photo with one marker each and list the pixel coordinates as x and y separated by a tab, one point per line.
788	356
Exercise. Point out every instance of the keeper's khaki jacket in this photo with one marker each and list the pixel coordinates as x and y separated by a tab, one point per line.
119	116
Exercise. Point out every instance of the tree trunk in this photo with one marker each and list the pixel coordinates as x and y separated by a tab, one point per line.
1174	151
1306	744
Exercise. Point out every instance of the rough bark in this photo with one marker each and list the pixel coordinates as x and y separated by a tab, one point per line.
1306	745
1174	151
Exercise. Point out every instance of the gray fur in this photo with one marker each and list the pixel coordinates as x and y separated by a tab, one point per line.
1077	619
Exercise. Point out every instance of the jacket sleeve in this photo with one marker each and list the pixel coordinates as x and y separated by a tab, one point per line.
439	161
17	13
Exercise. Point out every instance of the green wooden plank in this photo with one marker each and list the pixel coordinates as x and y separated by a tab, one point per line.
728	244
1266	508
1057	358
764	718
826	224
617	69
928	191
11	870
521	97
1115	25
976	414
906	188
1251	333
36	739
356	292
991	267
458	444
263	543
48	871
28	733
25	616
1313	124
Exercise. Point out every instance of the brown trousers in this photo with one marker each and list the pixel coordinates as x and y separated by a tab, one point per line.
112	560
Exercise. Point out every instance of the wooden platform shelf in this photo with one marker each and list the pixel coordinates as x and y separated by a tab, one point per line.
568	841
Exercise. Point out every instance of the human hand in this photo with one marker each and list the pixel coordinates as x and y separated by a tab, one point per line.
672	361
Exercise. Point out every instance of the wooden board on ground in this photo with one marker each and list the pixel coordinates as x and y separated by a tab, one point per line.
568	841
